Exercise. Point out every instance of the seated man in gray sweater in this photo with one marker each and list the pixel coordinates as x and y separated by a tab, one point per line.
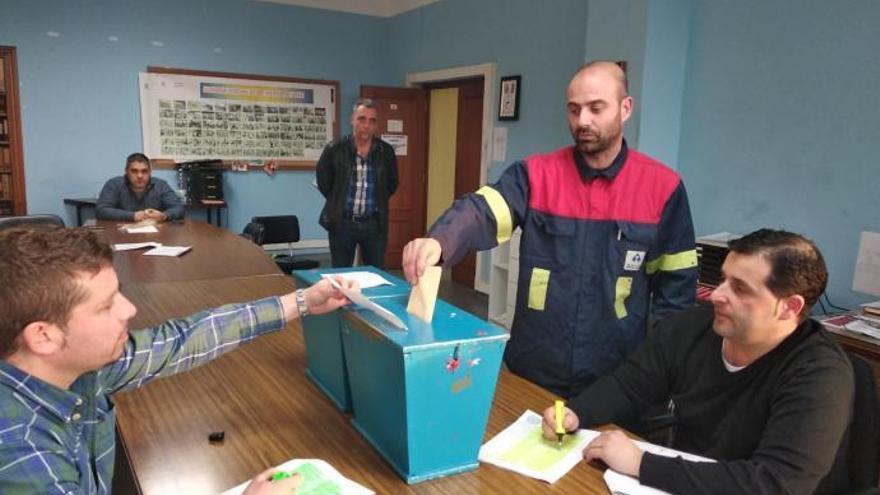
137	195
755	383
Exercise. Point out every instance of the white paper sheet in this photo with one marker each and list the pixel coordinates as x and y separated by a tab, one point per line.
520	448
499	144
327	472
167	251
398	142
621	483
363	278
362	301
395	125
128	246
143	229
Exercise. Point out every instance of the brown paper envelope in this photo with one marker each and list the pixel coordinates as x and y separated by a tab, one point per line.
424	294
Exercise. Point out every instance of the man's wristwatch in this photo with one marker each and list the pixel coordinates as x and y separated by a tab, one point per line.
301	305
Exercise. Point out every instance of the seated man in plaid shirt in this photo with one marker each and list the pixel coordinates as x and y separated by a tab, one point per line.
65	348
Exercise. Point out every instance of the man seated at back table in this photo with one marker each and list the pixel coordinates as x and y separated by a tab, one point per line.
137	195
65	349
755	383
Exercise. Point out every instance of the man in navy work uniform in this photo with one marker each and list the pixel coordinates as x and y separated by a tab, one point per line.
606	236
138	195
357	175
757	385
65	349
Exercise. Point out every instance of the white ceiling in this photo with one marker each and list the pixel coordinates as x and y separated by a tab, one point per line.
379	8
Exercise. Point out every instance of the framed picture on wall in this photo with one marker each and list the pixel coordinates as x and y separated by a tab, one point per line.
508	101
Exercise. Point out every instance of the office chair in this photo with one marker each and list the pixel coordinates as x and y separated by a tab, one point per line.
284	229
254	232
41	220
863	454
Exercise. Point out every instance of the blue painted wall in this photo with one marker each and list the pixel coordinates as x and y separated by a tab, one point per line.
663	76
543	42
79	93
777	108
616	30
780	125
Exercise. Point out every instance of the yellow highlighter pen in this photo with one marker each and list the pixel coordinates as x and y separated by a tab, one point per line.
559	410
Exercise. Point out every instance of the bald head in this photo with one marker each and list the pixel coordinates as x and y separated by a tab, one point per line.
597	105
603	69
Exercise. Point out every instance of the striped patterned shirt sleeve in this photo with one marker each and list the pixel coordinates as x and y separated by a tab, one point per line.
182	344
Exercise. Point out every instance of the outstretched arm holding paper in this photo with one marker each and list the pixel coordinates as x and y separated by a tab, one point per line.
65	346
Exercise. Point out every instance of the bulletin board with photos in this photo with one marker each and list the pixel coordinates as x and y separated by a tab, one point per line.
191	115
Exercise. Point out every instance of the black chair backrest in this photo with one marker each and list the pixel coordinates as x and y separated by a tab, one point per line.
43	220
254	232
863	457
279	229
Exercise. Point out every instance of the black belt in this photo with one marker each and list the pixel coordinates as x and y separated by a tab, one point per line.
360	218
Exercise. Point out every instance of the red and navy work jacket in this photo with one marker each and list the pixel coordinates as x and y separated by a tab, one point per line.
598	248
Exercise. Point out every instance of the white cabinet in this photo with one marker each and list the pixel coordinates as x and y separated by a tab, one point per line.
502	281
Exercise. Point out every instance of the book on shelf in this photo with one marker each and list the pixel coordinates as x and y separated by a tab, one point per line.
5	186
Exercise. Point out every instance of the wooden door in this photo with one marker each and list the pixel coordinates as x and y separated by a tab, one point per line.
12	192
407	110
469	141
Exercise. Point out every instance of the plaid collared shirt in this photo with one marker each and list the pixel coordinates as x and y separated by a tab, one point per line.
360	191
62	441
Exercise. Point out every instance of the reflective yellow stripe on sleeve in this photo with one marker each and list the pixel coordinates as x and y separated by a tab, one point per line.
672	262
500	211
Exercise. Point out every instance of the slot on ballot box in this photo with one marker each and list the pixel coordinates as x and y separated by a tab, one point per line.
422	396
325	357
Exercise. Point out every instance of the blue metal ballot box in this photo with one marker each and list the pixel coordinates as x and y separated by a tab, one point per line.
324	353
422	395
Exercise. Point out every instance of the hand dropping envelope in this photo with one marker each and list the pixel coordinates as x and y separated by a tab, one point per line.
424	294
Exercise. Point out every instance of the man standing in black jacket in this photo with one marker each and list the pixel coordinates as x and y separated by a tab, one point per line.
357	175
755	383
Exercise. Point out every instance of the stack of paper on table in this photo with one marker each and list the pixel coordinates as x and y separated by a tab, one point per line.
167	250
319	478
158	248
142	227
128	246
871	308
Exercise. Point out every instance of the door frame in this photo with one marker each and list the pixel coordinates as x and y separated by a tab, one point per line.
488	71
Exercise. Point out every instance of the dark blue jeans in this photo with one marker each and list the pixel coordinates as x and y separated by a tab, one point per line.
349	234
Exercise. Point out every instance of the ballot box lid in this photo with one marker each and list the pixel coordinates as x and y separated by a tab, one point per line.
450	325
305	278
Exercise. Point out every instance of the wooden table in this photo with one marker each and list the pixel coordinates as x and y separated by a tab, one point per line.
270	412
216	253
89	203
